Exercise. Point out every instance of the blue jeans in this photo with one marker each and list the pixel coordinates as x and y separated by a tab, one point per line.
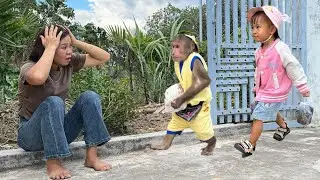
266	111
51	130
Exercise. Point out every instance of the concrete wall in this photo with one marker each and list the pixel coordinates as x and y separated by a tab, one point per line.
313	55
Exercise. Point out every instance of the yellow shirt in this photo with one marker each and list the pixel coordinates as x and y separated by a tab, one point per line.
184	74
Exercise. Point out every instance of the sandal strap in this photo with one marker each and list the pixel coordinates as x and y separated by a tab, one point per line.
281	131
247	146
280	134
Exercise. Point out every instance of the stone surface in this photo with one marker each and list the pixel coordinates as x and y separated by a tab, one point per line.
296	157
17	158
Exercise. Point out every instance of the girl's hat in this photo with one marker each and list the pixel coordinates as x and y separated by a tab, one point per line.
194	41
273	14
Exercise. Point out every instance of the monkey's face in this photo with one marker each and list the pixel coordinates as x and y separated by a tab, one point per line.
179	51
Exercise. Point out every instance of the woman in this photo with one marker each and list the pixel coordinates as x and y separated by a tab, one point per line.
43	86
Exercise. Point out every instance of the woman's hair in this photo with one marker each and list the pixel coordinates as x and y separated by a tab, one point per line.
258	16
38	48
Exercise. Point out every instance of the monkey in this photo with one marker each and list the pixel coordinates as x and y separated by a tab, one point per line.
192	72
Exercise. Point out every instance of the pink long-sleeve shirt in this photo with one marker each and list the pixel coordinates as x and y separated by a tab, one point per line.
276	70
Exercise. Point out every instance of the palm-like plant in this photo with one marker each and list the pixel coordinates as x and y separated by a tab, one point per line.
167	69
8	23
15	21
148	60
120	53
17	25
148	53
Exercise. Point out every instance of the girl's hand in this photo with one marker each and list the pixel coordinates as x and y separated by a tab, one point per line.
50	38
253	89
306	94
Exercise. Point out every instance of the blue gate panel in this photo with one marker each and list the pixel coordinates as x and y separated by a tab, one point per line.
231	51
235	74
236	60
235	67
232	81
234	111
228	89
241	53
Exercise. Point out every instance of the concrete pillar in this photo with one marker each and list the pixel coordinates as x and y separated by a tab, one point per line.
313	55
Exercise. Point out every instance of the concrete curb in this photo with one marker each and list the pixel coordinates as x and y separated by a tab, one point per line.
18	158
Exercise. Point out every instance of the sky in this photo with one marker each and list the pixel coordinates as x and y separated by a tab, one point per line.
115	12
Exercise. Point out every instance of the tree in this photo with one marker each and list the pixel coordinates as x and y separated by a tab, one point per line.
55	12
163	20
94	35
190	15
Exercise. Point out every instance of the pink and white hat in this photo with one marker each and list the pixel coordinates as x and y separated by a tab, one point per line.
273	14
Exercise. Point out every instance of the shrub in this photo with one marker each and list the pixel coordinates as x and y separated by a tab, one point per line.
116	98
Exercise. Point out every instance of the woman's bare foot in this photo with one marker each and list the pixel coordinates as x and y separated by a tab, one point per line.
98	165
55	170
92	161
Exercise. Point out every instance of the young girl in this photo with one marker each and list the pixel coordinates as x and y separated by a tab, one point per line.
276	70
43	86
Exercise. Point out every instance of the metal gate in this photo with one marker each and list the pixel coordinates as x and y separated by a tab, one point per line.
231	55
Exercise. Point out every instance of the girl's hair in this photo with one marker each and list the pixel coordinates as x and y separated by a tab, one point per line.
189	45
38	48
276	35
258	15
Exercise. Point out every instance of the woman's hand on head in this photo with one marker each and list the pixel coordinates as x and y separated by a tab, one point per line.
50	37
73	39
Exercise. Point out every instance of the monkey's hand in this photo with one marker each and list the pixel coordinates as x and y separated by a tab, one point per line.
200	80
176	103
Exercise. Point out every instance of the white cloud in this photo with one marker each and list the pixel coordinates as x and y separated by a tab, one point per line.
111	12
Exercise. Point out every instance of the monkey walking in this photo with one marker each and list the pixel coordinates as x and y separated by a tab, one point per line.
192	72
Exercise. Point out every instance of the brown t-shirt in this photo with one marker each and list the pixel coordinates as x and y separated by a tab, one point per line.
57	84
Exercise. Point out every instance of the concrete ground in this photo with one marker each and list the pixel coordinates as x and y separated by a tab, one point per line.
297	157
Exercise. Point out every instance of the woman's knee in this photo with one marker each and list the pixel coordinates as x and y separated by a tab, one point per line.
89	96
55	103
